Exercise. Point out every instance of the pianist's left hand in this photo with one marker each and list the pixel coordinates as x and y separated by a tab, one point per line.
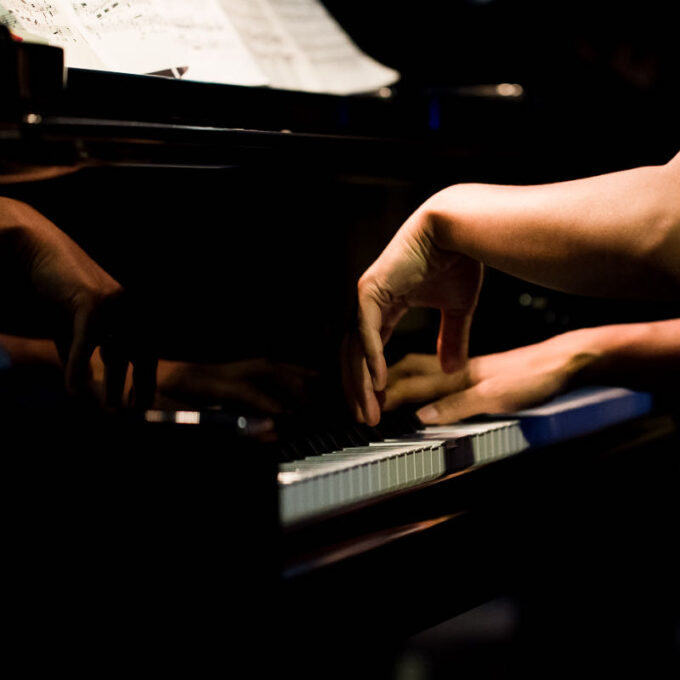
496	383
641	356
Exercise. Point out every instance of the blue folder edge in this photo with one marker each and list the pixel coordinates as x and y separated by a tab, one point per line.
580	412
5	362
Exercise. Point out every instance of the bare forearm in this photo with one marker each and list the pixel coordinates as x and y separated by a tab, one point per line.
638	355
616	234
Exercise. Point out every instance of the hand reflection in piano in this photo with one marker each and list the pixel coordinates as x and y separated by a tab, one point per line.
257	385
263	385
66	313
57	290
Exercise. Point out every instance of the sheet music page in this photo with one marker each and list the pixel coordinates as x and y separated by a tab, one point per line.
288	44
52	23
272	47
146	36
193	38
300	46
340	67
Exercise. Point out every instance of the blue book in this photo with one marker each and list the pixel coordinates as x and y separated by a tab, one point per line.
579	412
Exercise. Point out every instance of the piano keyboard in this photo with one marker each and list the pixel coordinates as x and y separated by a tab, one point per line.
339	476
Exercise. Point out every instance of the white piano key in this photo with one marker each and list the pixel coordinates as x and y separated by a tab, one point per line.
336	478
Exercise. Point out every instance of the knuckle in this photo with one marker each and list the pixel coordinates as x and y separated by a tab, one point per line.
491	395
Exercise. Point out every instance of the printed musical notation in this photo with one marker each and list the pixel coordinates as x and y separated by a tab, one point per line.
289	44
48	22
330	53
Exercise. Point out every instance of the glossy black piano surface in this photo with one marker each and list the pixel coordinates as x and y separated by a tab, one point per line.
239	220
157	540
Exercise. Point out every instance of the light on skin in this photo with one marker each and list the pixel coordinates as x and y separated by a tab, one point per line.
615	235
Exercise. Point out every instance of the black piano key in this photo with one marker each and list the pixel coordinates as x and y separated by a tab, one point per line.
361	435
288	451
319	443
310	436
395	424
332	436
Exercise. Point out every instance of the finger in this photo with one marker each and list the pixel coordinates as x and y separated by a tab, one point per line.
453	340
455	407
347	378
413	364
415	389
370	398
359	384
371	343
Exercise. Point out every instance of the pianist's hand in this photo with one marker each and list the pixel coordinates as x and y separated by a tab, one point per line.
495	383
412	271
52	288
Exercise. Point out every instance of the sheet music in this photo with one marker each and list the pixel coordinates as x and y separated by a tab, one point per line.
338	64
144	36
288	44
274	50
52	23
300	46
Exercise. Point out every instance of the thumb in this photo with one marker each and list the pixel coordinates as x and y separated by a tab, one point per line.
454	407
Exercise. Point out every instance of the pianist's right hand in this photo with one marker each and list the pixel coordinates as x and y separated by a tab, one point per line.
412	271
51	288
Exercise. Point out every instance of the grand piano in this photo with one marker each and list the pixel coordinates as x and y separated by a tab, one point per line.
159	540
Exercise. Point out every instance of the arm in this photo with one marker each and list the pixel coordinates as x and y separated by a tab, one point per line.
612	235
615	234
643	356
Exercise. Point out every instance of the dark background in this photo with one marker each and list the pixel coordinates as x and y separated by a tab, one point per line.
253	261
262	259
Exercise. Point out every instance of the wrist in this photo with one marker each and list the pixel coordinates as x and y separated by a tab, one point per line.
437	219
601	354
457	222
584	355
